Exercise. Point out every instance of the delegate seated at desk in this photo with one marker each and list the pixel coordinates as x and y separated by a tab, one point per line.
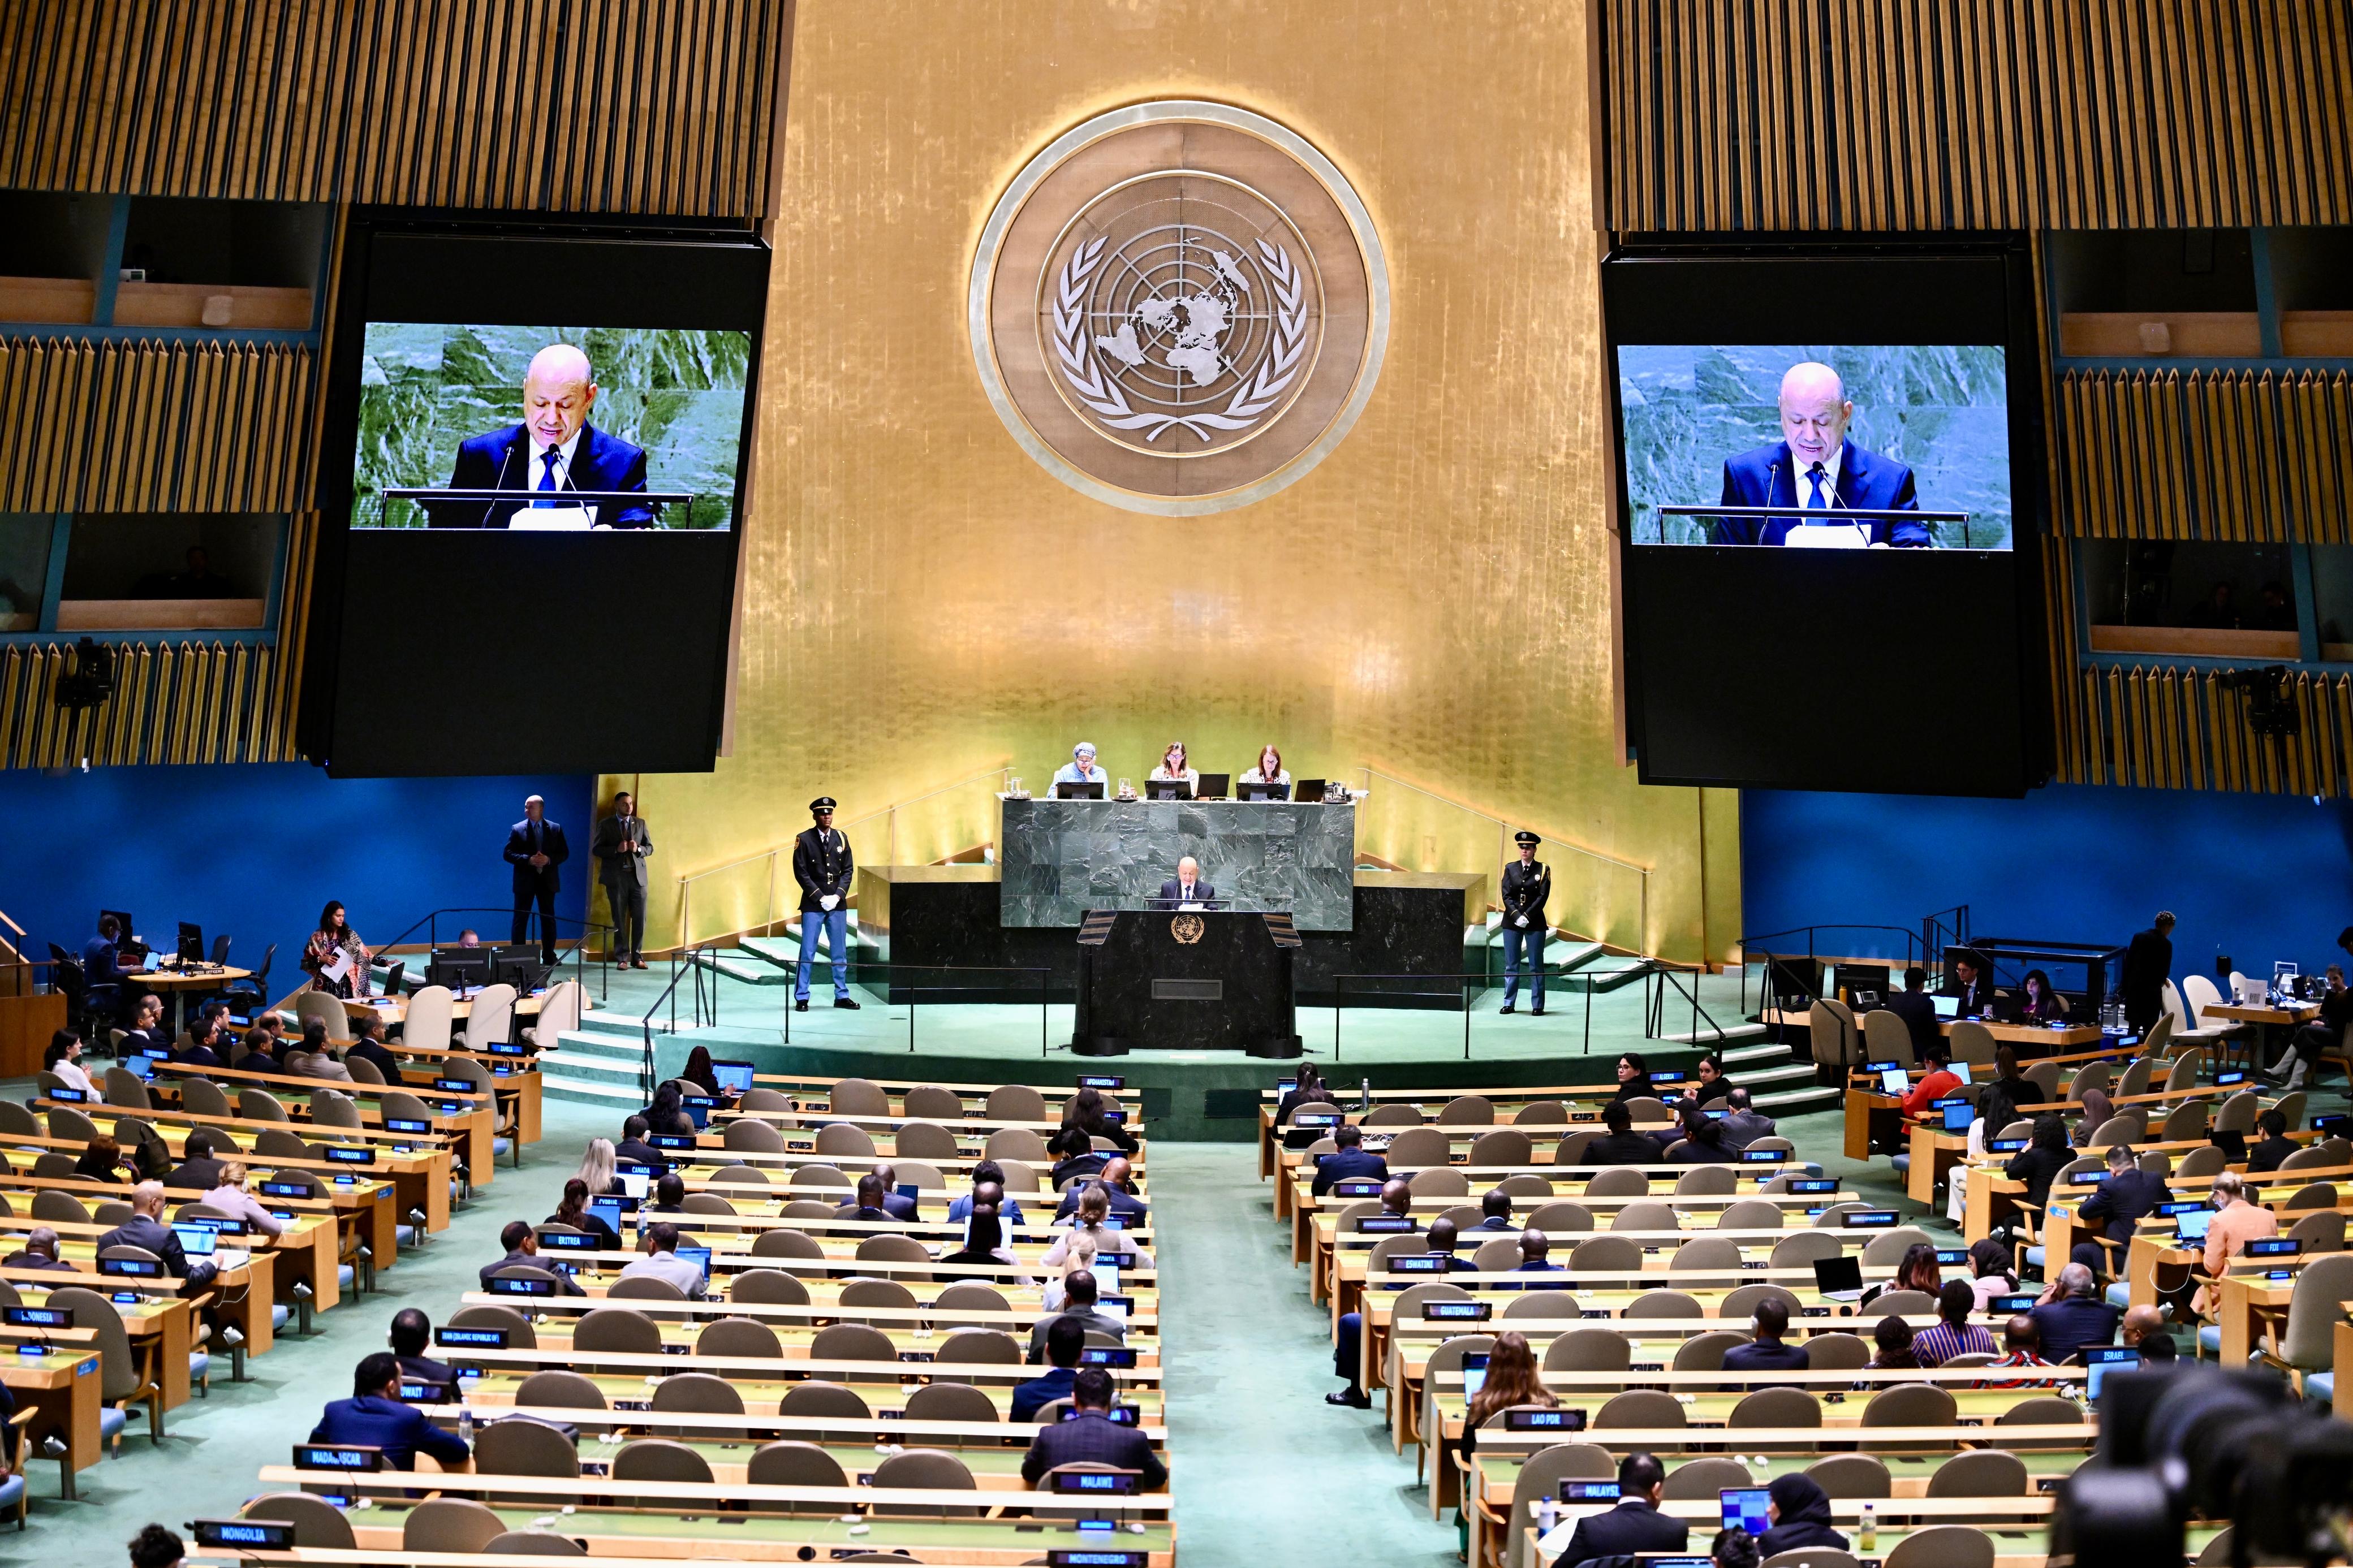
374	1417
1185	887
1972	989
1176	767
1916	1008
1081	770
146	1229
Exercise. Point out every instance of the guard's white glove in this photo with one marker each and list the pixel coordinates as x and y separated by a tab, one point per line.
828	901
1522	923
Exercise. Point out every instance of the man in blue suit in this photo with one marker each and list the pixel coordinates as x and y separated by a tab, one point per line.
1813	466
1349	1162
555	448
535	848
374	1417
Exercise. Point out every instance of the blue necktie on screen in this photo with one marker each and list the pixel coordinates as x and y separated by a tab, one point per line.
547	478
1814	477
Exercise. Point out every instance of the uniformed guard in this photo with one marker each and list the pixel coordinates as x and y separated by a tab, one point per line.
822	866
1527	883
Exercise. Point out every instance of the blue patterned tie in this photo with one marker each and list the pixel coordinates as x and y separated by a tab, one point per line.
547	479
1814	477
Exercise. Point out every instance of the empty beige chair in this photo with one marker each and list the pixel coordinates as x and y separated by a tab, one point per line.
566	1390
706	1203
1643	1217
1886	1039
319	1007
1749	1214
1886	1250
559	1011
1910	1404
1776	1407
1710	1252
660	1460
1542	1303
980	1347
1900	1304
793	1463
1640	1409
2237	1114
1663	1304
2090	1076
950	1402
1504	1146
533	1543
1438	1182
1392	1115
845	1139
2187	1120
934	1103
853	1342
1526	1185
865	1295
1554	1219
821	1180
316	1521
330	1108
1588	1350
2205	1162
278	1143
2135	1076
924	1140
450	1524
761	1101
1851	1476
1944	1546
1542	1113
748	1337
700	1393
889	1247
747	1136
1016	1102
1805	1249
1017	1143
67	1122
787	1244
617	1329
828	1401
1704	1477
924	1469
1833	1040
2320	1232
1419	1146
1707	1181
1617	1181
1606	1254
767	1286
1981	1473
643	1288
1972	1042
523	1448
859	1096
1495	1257
1738	1305
967	1296
1836	1353
2302	1342
51	1206
1468	1110
124	1087
489	1020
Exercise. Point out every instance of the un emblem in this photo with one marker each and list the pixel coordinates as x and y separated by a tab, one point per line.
1179	307
1187	929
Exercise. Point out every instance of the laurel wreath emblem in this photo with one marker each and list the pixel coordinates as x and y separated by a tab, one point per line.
1187	929
1108	400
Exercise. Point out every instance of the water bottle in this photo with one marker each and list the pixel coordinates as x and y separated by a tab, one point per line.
1548	1514
1867	1538
1365	1095
466	1425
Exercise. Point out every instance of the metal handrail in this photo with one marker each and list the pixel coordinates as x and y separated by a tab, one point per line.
1748	944
579	952
1642	928
686	880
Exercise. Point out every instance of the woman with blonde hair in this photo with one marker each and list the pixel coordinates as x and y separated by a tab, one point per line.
1078	1250
597	1163
231	1199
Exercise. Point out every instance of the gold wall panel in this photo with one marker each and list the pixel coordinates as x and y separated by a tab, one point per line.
154	427
922	602
2163	728
176	700
1928	114
645	106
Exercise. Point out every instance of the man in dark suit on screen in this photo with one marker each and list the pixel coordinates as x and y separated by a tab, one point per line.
1815	466
1185	886
553	449
535	848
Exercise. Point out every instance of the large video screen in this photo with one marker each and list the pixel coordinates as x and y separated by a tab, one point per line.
531	562
555	413
1828	460
1881	446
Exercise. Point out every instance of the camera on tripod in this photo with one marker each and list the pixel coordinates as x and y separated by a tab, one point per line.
2191	1441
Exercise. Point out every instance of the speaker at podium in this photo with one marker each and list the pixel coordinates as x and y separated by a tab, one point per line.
1190	980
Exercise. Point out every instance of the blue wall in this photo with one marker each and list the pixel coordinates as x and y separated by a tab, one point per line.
2258	876
255	851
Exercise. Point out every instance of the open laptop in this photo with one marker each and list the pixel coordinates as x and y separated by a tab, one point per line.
1946	1006
1214	786
1307	789
2193	1223
734	1078
201	1241
1894	1080
1958	1117
1069	790
2101	1360
1475	1373
1838	1278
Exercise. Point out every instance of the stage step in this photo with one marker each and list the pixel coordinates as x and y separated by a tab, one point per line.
1569	956
781	951
737	963
598	1062
1798	1101
1608	976
1707	1035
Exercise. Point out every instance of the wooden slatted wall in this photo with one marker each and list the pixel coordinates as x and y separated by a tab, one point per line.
636	106
139	427
177	700
1935	114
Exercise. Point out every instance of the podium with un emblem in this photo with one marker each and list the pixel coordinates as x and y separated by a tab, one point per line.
1185	980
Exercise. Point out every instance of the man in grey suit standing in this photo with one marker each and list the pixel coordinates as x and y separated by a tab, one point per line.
621	847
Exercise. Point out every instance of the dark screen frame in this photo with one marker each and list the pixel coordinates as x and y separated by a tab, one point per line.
573	677
1965	716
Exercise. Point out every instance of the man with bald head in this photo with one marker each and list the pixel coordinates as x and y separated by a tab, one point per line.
1186	887
554	449
1814	467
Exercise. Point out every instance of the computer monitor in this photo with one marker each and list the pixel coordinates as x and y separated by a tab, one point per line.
1168	789
1307	789
1214	786
1742	1508
196	1240
388	975
698	1256
2231	1140
192	942
1068	789
1833	1276
1960	1069
1265	791
698	1108
520	968
1894	1080
1958	1117
2193	1223
734	1078
1946	1006
609	1209
2100	1359
635	1183
139	1065
459	968
1475	1373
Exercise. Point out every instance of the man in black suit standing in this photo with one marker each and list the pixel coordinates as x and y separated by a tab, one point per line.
1185	886
1091	1436
1635	1524
621	844
2148	963
535	848
1918	1011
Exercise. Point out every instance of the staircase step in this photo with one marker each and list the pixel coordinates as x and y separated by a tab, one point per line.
1766	1053
1574	955
1798	1101
773	949
1604	978
1706	1034
751	968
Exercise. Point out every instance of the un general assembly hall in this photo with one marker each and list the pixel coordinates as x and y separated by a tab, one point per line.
615	945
